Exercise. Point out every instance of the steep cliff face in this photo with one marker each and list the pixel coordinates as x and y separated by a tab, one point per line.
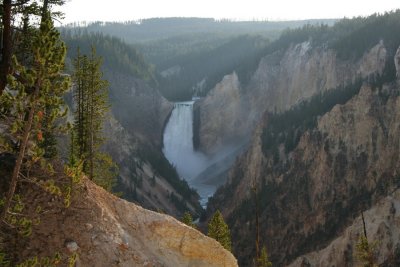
226	100
282	79
303	71
382	223
310	195
103	230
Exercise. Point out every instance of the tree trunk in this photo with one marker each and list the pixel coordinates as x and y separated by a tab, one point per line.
257	241
21	155
45	9
92	128
7	44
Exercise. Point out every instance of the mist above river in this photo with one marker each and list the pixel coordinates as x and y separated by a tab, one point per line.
201	172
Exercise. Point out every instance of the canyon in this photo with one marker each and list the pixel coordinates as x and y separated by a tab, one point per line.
312	192
295	140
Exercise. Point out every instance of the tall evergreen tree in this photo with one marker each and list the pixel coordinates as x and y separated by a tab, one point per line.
263	259
218	229
365	251
91	100
188	220
23	106
14	37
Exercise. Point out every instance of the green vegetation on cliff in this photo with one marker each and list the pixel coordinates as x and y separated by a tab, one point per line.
219	230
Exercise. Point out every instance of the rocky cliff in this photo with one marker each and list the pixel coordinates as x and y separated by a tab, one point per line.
103	230
340	167
282	79
140	109
382	223
224	105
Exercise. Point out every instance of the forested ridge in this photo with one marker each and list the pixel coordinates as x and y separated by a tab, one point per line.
161	28
350	38
117	55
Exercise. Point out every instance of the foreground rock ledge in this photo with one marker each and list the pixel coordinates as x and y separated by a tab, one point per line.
109	231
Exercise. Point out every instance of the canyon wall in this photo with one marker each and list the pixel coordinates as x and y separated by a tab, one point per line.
282	80
340	167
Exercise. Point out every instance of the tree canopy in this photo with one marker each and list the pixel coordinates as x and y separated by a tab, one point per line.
219	230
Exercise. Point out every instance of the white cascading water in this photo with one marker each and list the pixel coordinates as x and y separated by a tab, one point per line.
178	148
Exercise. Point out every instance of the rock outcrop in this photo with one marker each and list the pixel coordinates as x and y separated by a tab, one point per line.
225	99
104	230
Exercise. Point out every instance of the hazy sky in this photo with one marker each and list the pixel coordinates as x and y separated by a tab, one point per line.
122	10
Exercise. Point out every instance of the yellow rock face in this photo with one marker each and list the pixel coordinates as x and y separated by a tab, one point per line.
108	231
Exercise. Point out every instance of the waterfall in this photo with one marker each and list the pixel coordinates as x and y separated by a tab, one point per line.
178	148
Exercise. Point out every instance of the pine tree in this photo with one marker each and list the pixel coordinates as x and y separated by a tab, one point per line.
97	108
23	105
91	100
78	137
188	220
6	51
105	172
263	260
218	229
15	40
365	251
